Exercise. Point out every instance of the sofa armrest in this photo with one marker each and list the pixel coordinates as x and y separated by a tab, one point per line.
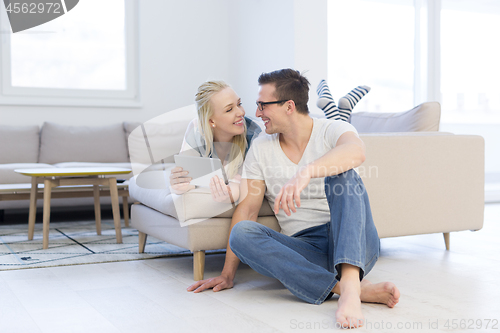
424	183
149	188
197	205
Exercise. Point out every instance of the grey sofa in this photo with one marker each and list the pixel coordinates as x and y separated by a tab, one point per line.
419	181
61	146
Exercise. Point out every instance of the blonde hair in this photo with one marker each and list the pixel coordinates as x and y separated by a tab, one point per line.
205	111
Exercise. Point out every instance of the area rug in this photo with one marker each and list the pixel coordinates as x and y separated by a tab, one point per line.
76	243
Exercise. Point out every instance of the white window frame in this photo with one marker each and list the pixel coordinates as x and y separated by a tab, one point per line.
434	50
427	88
11	95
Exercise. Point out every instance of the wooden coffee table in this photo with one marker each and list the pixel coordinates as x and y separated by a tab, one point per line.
55	177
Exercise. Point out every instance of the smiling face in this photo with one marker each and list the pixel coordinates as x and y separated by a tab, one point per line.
272	114
227	119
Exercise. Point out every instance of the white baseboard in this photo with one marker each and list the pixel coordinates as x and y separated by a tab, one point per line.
492	192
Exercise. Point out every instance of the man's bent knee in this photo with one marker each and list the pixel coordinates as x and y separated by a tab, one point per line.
346	183
240	232
343	177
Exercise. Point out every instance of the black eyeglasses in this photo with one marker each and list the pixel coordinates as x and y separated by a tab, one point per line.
260	105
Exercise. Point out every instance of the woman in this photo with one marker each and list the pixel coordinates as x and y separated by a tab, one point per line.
220	131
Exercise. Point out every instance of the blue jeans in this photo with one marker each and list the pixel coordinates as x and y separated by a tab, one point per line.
308	262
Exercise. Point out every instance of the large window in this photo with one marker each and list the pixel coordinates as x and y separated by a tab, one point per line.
412	51
371	43
85	57
470	99
470	65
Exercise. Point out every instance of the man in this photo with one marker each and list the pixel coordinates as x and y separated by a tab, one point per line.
328	241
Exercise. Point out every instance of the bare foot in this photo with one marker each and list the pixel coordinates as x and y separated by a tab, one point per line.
349	314
385	293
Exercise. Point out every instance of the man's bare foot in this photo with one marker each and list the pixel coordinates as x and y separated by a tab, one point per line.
385	293
349	313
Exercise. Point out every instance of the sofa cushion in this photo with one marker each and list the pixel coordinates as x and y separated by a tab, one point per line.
8	176
130	126
423	117
60	143
19	144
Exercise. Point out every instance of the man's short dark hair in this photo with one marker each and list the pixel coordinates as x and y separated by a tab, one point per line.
290	85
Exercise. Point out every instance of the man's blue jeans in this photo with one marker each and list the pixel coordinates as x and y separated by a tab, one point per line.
308	262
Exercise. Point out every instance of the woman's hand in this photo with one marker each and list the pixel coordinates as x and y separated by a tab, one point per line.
220	191
178	182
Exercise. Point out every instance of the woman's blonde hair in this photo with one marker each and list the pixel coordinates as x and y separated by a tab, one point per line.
205	111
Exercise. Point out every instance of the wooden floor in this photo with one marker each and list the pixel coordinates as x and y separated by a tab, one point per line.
438	288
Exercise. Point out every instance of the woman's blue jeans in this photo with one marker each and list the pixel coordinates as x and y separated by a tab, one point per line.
308	262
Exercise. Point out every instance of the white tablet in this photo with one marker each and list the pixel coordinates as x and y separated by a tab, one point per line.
201	169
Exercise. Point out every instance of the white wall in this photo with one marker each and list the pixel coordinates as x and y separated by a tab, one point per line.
183	43
261	41
311	48
274	34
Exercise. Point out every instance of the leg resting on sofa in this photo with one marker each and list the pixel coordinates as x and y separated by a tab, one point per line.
198	265
142	241
447	240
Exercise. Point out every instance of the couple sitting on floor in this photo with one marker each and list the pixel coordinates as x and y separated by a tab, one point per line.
328	241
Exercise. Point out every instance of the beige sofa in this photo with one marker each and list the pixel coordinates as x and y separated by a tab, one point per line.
418	182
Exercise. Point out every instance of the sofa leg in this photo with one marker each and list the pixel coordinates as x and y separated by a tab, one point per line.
447	240
142	241
198	265
125	210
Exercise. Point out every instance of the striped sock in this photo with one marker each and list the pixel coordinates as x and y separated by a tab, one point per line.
349	101
325	101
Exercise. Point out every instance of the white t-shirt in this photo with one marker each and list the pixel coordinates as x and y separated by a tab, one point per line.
266	161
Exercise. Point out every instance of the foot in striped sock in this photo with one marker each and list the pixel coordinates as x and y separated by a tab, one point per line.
349	101
325	101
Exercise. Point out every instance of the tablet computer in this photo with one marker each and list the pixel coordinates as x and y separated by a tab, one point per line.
201	169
